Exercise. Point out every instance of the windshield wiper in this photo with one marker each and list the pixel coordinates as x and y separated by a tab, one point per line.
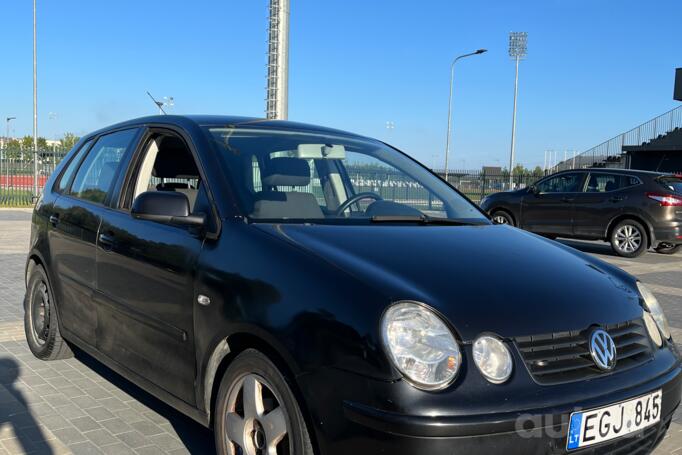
421	219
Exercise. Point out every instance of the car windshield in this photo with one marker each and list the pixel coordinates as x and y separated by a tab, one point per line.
672	183
308	177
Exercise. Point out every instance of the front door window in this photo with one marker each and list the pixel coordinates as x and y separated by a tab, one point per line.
563	183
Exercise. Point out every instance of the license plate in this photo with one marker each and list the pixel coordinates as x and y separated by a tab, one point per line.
610	422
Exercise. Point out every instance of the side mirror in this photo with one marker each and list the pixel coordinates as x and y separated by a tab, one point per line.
533	189
168	207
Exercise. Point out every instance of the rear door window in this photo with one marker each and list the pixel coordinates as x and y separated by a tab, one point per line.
601	183
672	183
97	172
72	166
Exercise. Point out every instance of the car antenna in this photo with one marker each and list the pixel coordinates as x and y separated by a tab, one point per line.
159	104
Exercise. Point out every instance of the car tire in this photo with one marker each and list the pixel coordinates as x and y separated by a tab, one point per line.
271	417
629	239
40	318
667	248
502	217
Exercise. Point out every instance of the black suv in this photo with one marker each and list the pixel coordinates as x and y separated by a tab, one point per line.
303	290
634	210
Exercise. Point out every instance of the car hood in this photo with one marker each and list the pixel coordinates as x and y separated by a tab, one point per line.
481	278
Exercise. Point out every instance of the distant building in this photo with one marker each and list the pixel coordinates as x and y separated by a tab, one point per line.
492	170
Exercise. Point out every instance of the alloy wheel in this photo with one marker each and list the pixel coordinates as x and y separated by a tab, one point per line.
256	422
628	238
499	219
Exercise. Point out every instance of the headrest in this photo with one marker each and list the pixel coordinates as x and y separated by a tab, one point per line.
286	172
610	186
174	159
107	171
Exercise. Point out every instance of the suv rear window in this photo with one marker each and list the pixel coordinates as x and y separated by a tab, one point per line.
672	183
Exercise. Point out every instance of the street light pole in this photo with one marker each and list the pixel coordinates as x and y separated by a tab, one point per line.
6	143
518	47
35	107
452	80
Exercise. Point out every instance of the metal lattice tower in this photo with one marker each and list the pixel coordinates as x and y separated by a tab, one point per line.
518	49
277	97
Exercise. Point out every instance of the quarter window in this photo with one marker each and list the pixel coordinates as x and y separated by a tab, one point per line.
602	183
72	166
564	183
96	174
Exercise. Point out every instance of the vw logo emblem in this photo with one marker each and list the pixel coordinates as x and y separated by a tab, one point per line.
603	350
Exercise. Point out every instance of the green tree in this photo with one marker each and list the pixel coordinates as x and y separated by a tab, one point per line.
13	144
12	149
69	140
27	142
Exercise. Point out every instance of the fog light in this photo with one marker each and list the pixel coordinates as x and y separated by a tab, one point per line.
492	358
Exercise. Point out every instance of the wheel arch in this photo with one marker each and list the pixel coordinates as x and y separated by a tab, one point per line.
35	258
630	216
508	212
228	348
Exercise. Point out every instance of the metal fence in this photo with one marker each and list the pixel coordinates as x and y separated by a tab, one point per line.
16	182
609	153
478	184
16	175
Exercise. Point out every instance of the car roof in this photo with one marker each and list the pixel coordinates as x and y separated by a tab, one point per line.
616	171
227	121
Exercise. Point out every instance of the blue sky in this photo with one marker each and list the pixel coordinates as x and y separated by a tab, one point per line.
595	68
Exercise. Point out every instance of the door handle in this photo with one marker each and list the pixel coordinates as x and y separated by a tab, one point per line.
54	219
567	199
106	241
617	199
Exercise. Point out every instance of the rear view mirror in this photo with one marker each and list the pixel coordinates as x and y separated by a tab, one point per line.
321	151
165	207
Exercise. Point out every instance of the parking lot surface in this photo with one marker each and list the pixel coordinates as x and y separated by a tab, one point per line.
80	406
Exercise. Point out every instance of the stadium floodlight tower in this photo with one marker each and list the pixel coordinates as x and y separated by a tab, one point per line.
277	97
518	49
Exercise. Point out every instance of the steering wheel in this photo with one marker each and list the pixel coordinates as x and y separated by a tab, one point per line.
354	199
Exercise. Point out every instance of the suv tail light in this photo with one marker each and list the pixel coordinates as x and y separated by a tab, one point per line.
666	200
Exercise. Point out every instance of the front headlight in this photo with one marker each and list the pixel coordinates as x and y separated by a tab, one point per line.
421	345
651	304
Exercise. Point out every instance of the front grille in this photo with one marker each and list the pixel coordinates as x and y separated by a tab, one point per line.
562	357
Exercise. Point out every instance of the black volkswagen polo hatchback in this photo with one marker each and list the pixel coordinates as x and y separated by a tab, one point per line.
304	290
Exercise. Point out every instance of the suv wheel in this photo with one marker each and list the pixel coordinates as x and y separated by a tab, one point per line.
40	318
256	412
668	248
502	217
629	239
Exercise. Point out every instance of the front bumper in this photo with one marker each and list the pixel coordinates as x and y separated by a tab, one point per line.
353	427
